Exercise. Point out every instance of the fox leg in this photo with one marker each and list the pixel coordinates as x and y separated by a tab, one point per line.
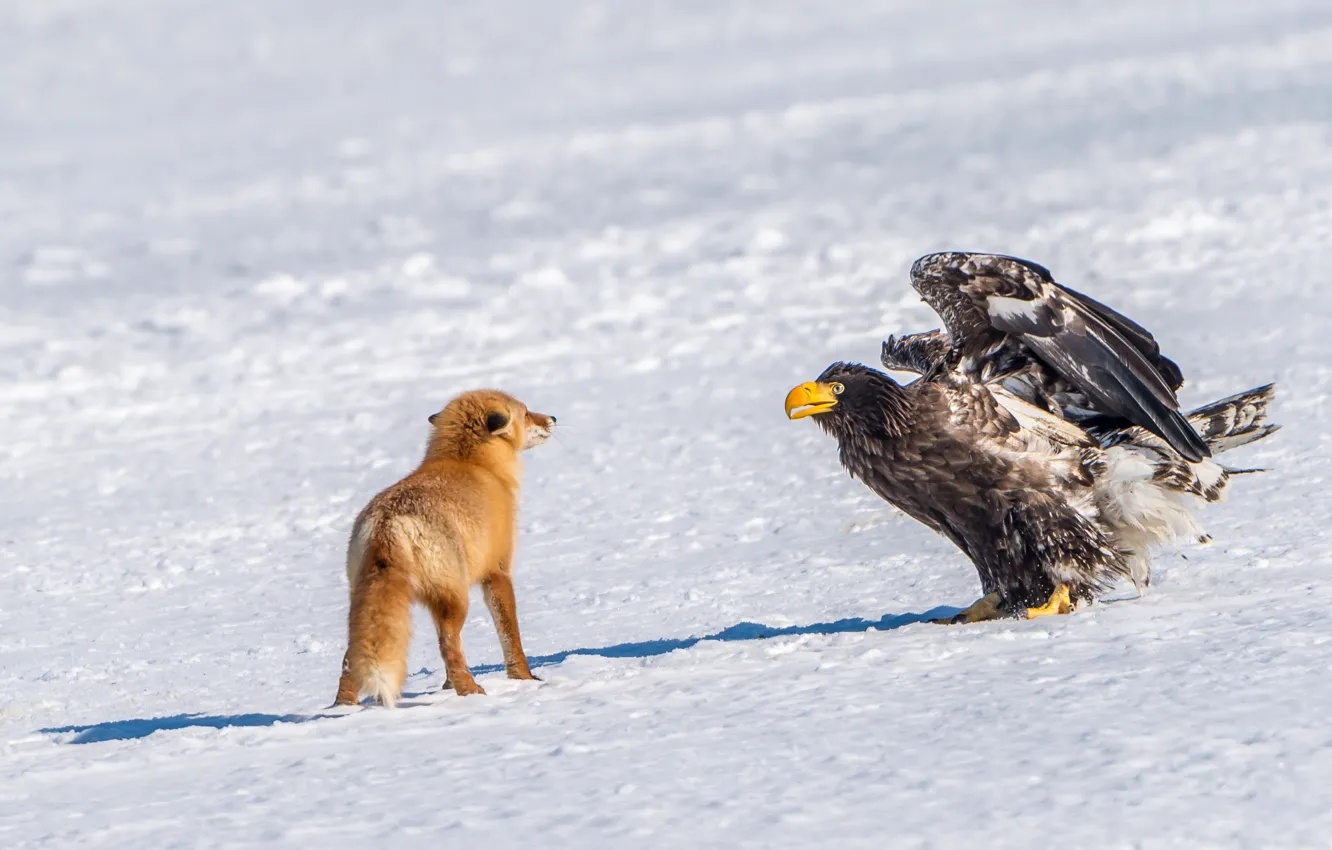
347	694
498	590
379	629
449	614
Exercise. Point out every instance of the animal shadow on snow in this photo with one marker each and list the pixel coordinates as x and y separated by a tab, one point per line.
740	631
128	730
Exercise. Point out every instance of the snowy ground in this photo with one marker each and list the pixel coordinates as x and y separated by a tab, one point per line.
246	248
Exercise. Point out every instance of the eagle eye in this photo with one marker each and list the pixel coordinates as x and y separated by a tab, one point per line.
837	389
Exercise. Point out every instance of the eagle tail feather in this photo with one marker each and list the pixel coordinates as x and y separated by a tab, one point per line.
1236	420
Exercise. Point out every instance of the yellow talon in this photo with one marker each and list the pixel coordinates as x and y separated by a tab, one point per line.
985	608
1059	603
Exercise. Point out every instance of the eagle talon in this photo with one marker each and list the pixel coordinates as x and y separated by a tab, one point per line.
1059	603
985	608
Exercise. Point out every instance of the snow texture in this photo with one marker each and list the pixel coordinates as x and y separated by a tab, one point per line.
247	248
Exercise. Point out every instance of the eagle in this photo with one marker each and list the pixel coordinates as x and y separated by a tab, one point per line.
1043	436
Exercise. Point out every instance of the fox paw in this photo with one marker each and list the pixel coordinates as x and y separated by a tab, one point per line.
465	688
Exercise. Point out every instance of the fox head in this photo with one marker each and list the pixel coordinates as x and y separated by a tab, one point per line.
483	417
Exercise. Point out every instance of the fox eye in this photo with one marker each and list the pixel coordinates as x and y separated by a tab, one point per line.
837	389
496	421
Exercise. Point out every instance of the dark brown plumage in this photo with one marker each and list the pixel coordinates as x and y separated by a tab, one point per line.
948	455
1043	438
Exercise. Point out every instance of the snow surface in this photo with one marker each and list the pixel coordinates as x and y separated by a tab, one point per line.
247	247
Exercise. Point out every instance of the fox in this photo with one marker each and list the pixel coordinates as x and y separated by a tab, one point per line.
449	525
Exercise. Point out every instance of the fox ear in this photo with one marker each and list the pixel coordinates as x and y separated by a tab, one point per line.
497	422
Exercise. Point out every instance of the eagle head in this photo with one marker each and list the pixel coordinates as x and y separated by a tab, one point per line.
849	397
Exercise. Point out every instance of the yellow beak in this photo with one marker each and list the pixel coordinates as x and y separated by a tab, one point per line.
809	399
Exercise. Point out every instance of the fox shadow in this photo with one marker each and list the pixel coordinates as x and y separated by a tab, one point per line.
128	730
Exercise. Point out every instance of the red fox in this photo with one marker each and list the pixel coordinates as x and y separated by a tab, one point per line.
447	526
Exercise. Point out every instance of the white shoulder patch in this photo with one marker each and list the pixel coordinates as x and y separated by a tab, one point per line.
1008	309
1042	422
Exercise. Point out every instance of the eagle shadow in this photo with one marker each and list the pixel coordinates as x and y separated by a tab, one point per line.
740	631
128	730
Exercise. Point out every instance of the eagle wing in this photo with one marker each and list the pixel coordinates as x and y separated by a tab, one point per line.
917	353
1055	430
1115	361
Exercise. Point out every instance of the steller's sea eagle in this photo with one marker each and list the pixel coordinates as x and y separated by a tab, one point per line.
1043	437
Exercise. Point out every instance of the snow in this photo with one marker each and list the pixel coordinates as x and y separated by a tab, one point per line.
248	247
